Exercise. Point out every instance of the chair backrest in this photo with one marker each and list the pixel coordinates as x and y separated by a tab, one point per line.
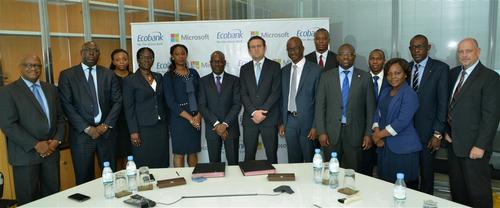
1	185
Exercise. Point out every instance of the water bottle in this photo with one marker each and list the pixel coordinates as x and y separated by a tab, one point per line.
334	171
131	175
399	190
317	166
107	181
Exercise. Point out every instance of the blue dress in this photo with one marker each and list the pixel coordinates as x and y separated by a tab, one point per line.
181	94
390	163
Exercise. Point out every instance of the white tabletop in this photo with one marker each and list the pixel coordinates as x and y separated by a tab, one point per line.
373	192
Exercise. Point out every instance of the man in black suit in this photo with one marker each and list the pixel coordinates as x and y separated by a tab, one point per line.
219	103
91	100
376	61
299	81
429	78
344	110
260	81
325	58
32	120
473	116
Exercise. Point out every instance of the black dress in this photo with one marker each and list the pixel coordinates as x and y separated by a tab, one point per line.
123	147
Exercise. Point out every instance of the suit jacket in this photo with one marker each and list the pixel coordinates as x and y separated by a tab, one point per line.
223	107
330	63
360	106
476	112
306	94
24	122
265	96
399	119
76	101
433	97
141	103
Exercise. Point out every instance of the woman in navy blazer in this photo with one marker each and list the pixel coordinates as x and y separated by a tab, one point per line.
147	114
394	133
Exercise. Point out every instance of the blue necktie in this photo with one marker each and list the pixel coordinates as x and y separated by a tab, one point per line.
257	72
375	86
93	95
218	84
345	92
38	96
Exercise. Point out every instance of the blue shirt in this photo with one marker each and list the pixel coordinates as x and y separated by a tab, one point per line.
421	69
97	119
342	77
44	99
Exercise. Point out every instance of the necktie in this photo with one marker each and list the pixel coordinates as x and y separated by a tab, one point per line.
38	96
257	72
218	84
292	106
375	86
93	95
345	92
455	94
321	63
415	77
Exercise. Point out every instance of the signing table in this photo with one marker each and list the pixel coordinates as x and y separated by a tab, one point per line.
373	192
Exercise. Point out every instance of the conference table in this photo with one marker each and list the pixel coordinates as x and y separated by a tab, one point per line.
373	192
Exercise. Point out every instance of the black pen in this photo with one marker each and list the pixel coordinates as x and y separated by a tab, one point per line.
177	173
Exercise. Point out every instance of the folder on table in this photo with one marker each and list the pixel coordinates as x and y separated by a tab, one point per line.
209	170
256	167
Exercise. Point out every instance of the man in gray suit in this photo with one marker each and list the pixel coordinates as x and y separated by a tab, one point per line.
473	116
219	103
299	81
32	120
260	93
344	109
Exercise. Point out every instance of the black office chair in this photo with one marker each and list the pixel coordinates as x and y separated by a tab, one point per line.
5	203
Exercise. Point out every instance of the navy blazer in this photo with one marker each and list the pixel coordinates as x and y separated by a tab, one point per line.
400	114
141	103
433	98
306	94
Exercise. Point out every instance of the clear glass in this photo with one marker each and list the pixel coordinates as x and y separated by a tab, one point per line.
144	176
326	174
121	182
349	179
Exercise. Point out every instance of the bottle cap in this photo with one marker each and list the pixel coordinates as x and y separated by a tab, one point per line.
400	175
106	164
130	157
334	154
317	151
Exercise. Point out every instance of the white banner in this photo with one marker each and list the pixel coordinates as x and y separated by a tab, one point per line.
229	36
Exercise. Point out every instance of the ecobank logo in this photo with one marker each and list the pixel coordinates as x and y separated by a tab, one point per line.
150	39
307	34
176	37
270	34
232	36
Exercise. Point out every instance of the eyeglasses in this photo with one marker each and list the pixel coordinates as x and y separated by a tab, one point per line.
419	47
34	66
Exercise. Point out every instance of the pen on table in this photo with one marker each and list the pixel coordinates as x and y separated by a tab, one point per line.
177	173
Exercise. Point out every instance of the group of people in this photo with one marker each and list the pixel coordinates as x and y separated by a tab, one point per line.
394	116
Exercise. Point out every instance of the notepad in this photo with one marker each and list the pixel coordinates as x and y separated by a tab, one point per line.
209	170
256	167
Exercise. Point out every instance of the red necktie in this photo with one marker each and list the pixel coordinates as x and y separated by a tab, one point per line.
321	64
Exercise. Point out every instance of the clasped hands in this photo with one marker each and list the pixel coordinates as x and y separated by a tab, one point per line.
47	147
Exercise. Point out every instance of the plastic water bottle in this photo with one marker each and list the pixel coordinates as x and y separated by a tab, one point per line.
317	166
107	181
334	171
131	175
399	190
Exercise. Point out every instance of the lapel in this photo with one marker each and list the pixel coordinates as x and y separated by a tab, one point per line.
470	80
100	84
50	100
336	84
263	71
83	80
427	73
212	86
395	100
355	83
303	75
252	72
145	82
157	78
330	59
287	78
30	95
226	83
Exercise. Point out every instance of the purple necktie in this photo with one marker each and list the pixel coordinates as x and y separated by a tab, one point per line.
218	84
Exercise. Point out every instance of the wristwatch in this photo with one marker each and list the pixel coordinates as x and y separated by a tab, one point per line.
438	135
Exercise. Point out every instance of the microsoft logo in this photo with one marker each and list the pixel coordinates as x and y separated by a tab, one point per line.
255	33
195	64
175	37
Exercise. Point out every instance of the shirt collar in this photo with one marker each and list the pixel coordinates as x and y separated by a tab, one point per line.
350	68
220	75
29	83
380	74
85	67
422	63
301	63
471	68
259	61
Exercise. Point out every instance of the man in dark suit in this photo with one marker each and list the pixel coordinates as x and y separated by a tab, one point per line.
376	61
473	116
429	78
260	81
32	120
344	110
91	100
325	58
219	103
299	81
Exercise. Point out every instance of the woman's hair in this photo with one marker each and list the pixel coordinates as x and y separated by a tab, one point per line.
171	67
399	61
116	51
141	50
